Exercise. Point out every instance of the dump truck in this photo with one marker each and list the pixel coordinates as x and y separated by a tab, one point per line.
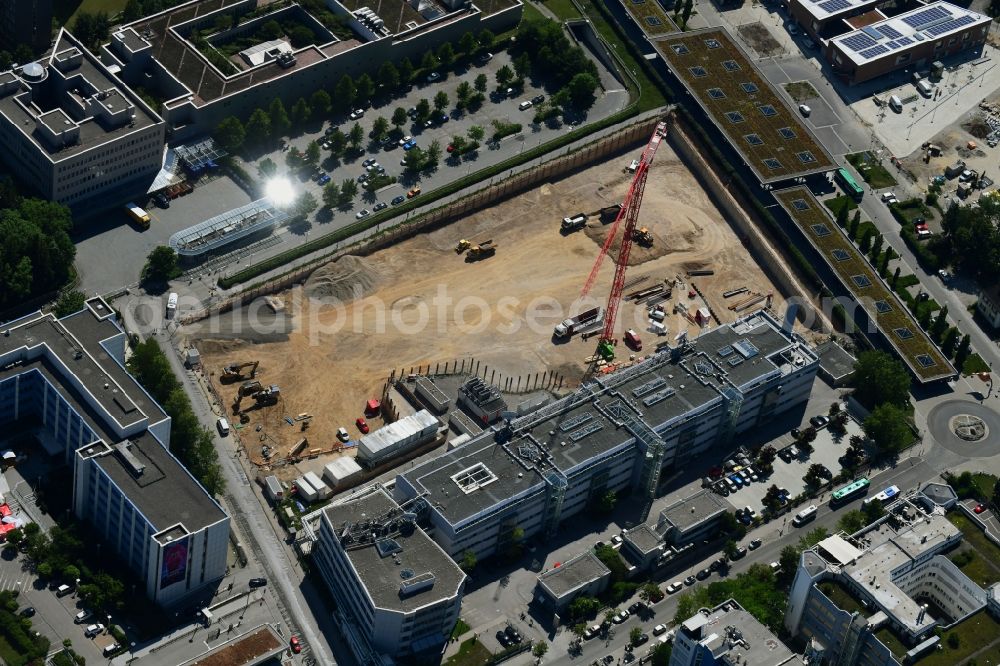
578	221
481	251
234	371
583	320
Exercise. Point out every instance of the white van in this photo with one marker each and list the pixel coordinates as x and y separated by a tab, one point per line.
223	426
111	649
63	590
171	305
924	88
896	104
805	515
524	106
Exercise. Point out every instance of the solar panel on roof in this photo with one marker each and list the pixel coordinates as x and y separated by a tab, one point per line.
586	430
948	26
725	351
874	51
575	421
926	17
890	32
858	42
872	32
892	45
903	41
648	387
831	6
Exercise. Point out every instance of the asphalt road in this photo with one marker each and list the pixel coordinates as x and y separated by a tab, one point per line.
775	536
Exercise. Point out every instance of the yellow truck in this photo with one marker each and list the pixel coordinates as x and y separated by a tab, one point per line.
138	215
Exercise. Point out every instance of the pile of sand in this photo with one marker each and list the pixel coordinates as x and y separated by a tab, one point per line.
346	279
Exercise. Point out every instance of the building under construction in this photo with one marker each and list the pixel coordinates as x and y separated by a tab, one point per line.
616	432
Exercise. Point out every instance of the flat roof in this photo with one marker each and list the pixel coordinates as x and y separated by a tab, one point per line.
690	511
743	104
92	132
254	647
417	556
824	10
643	538
566	436
893	36
650	17
839	549
883	307
576	572
165	493
730	631
835	360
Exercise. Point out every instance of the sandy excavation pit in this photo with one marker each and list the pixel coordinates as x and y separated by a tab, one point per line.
421	303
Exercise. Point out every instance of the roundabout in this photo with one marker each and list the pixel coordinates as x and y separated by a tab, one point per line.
966	428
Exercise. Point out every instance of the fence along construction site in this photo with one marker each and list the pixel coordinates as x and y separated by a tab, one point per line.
339	333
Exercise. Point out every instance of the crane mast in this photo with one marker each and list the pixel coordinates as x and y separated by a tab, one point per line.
630	215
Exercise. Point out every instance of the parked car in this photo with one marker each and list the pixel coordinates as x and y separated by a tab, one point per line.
432	77
323	179
538	99
642	638
621	616
405	140
484	58
93	630
82	617
29	611
659	629
357	113
737	479
819	421
410	145
295	644
689	580
636	607
257	582
616	540
980	508
703	574
889	198
413	192
739	553
368	162
590	632
808	43
381	205
362	425
754	544
674	587
805	110
398	200
364	212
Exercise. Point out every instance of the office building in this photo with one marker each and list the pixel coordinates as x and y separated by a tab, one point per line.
911	40
528	475
582	575
728	635
691	519
64	381
988	305
397	593
70	130
642	547
176	53
27	22
847	588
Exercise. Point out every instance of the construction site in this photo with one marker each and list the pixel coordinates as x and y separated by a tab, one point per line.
494	289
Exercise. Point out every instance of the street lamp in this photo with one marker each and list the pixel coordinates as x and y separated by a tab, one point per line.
77	587
131	650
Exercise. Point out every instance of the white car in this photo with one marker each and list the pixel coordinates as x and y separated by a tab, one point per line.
889	198
373	166
357	113
659	629
364	212
621	616
943	274
432	77
590	632
405	139
805	110
93	630
82	617
616	540
674	587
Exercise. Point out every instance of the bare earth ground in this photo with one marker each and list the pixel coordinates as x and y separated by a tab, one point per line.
423	303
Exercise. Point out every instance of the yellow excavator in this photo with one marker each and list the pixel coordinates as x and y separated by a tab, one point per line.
643	237
234	371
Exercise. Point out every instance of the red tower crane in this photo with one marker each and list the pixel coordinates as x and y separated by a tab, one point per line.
630	214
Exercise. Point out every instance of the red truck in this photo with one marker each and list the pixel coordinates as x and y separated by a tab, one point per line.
632	340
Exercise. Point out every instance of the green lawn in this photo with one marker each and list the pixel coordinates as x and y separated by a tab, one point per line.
840	596
911	209
460	628
471	653
564	9
890	641
874	173
66	10
838	202
801	91
973	364
979	570
972	634
8	655
975	537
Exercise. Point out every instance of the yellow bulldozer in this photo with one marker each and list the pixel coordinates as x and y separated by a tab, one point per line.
481	251
643	237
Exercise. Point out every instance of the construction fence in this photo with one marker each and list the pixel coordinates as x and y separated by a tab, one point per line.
499	189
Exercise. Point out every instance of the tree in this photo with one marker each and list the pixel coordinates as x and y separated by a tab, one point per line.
429	61
481	83
337	141
940	323
878	378
650	593
852	521
320	102
312	153
259	127
888	427
423	109
301	112
581	90
609	615
583	606
399	117
267	168
469	561
883	267
280	123
91	29
730	549
345	93
365	89
504	76
379	128
962	353
230	134
161	265
467	44
788	561
877	246
294	159
635	635
924	318
477	133
441	101
866	242
305	204
348	190
661	654
132	12
446	55
895	277
69	302
331	195
686	13
842	217
522	65
486	40
950	342
44	570
405	71
462	93
541	647
852	229
356	136
388	76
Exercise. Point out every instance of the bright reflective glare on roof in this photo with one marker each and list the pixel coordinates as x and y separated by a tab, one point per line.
280	191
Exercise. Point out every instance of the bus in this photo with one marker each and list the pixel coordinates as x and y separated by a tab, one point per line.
848	184
804	516
853	489
884	496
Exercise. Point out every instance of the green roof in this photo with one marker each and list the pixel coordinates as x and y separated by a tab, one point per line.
650	17
857	275
755	118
